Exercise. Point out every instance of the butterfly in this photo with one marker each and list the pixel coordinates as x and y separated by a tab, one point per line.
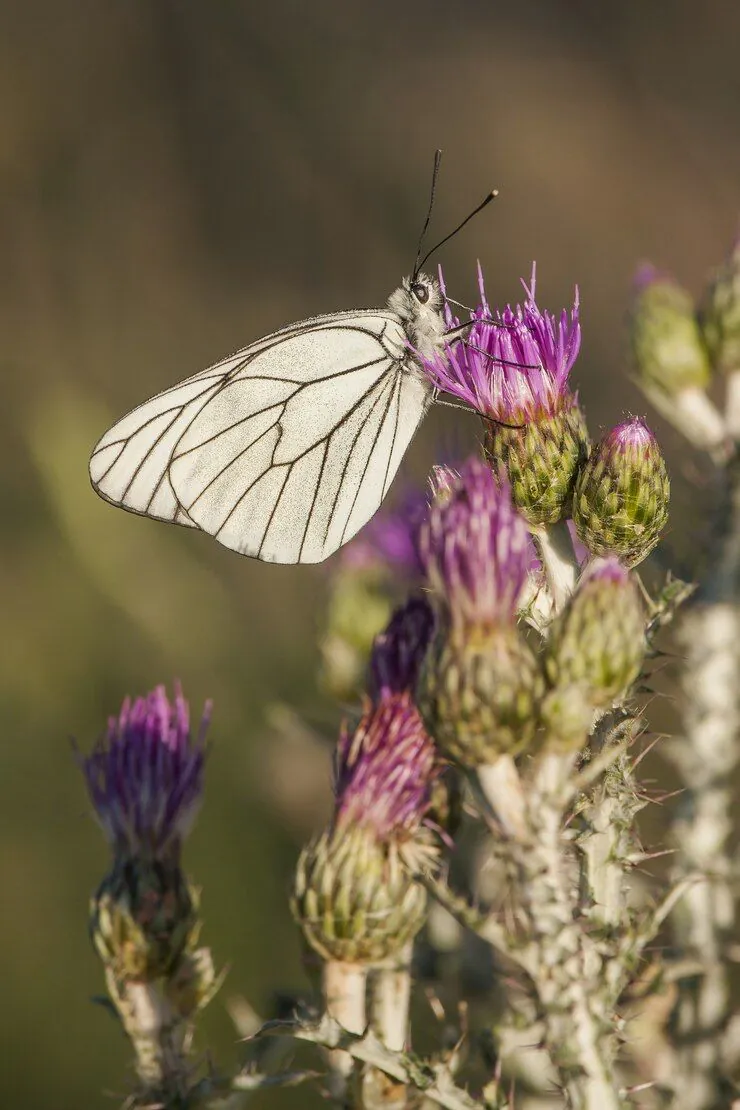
285	449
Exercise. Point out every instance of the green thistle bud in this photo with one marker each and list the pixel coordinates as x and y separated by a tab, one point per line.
720	315
594	651
354	898
668	351
479	695
541	459
620	504
143	917
359	606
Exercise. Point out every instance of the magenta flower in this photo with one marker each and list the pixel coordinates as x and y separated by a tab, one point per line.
145	775
477	549
512	366
384	769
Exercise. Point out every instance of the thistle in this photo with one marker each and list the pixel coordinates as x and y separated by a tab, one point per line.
145	781
620	503
354	893
671	355
667	348
594	651
720	315
481	682
513	368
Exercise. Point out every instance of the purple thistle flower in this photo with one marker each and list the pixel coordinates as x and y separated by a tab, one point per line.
145	775
385	769
512	365
477	549
398	652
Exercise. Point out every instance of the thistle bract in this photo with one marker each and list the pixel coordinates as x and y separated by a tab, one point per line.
143	917
594	651
145	775
513	367
667	348
720	315
620	503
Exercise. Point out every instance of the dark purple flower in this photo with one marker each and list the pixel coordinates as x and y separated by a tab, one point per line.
145	775
512	365
384	770
477	549
399	651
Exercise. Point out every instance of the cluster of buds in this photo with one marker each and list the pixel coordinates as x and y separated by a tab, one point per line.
145	780
678	347
355	895
514	368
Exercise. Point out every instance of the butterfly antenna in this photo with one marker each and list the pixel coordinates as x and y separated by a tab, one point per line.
435	175
487	200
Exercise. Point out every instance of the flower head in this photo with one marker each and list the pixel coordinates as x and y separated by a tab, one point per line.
667	349
512	365
594	651
384	769
398	652
720	315
476	548
620	503
145	775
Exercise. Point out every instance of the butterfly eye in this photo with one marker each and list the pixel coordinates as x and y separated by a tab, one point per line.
421	292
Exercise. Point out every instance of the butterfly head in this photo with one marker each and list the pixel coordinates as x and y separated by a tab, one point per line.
418	302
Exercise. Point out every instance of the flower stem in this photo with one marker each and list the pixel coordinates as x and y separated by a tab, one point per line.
390	994
555	548
501	787
344	997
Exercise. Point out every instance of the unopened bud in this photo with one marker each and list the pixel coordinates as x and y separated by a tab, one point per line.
620	504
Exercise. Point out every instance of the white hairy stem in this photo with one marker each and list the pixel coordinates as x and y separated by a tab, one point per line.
566	970
559	563
501	788
344	987
706	756
390	996
156	1032
693	414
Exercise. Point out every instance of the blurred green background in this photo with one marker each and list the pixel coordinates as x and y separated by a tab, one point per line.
177	179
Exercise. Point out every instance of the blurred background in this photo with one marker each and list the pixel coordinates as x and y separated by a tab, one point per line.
177	179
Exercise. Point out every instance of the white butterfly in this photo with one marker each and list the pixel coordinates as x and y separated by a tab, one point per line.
284	450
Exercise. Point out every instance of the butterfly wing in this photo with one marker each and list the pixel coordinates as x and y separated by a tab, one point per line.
298	449
282	451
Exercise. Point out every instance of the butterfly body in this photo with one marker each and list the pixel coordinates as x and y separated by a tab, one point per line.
286	448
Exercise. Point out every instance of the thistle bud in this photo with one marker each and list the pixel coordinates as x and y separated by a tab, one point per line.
143	917
513	367
354	894
671	361
620	504
594	651
145	781
481	682
720	315
667	346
